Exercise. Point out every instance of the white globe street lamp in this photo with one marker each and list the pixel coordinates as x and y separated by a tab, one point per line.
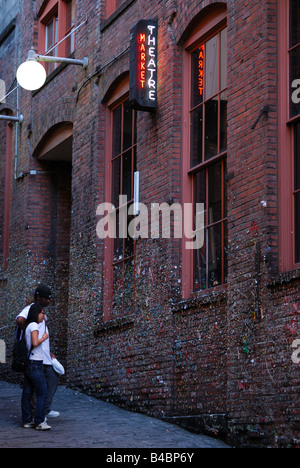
31	75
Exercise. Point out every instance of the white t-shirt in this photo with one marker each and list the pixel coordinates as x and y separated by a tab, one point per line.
37	354
46	344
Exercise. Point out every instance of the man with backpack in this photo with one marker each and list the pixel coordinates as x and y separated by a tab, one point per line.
42	296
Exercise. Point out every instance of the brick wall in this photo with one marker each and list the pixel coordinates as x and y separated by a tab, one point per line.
219	362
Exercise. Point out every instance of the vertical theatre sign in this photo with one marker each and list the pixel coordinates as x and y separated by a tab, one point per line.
143	66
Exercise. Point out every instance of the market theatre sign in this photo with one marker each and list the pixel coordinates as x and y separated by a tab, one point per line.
143	65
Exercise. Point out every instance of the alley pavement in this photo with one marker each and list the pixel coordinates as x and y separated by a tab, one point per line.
86	422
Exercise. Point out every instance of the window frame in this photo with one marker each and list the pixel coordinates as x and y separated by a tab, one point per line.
210	25
54	19
118	98
7	195
286	147
112	6
58	9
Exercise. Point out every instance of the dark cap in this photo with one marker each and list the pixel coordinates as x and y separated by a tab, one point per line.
43	291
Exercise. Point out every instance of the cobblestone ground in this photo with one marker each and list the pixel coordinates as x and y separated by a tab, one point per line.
86	422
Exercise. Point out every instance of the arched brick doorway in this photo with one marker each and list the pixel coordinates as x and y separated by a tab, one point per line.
50	224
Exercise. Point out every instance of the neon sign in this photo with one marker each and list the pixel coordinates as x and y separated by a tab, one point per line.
143	66
201	70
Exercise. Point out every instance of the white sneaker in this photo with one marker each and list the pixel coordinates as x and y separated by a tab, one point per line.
43	427
53	414
30	425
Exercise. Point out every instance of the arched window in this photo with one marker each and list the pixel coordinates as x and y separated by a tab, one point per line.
121	156
112	6
289	134
5	196
204	149
56	21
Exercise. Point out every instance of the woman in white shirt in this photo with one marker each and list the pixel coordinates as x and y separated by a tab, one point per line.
34	376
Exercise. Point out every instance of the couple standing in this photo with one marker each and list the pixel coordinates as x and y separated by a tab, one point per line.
40	379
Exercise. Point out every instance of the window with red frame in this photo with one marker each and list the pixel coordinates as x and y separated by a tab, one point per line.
70	24
297	190
294	51
51	38
4	230
112	6
124	147
294	66
57	22
208	145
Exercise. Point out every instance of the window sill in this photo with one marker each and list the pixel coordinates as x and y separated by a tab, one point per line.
113	325
210	296
115	14
284	278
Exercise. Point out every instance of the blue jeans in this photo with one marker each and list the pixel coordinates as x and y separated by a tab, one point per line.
34	381
52	380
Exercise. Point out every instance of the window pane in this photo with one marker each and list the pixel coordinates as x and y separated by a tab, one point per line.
297	195
208	119
135	128
211	128
223	122
196	136
197	76
127	131
200	268
297	156
210	262
215	193
294	22
116	180
118	246
208	268
49	35
200	191
294	74
124	136
215	255
127	175
223	70
297	227
70	23
212	67
117	125
129	241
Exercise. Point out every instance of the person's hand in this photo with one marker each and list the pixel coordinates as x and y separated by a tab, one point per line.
45	336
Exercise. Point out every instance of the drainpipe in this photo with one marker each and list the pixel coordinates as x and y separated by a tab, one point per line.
17	138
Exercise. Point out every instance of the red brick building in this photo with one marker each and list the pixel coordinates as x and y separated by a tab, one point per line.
206	337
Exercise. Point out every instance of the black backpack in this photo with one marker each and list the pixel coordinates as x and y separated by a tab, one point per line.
20	359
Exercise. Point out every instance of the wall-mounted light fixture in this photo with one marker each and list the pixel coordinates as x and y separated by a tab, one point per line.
11	118
31	75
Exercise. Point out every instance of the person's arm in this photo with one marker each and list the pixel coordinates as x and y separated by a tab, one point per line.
21	322
35	338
